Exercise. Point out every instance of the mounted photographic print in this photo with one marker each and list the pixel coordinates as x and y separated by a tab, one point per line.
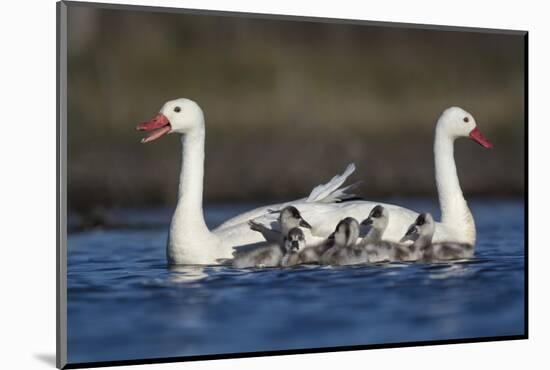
234	185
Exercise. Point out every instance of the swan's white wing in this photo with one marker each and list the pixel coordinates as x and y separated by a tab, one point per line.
325	193
341	194
243	218
323	217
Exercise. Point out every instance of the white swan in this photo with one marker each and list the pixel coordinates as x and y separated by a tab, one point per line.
190	241
457	223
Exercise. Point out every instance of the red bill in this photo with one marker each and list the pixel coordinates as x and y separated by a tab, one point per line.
480	139
157	127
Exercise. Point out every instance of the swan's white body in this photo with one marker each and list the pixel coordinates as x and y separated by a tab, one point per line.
191	242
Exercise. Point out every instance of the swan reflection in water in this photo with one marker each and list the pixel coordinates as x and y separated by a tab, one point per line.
451	269
179	274
186	273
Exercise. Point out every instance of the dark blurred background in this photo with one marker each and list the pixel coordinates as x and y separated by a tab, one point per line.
287	104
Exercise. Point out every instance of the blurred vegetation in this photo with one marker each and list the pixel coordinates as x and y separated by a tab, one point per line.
288	104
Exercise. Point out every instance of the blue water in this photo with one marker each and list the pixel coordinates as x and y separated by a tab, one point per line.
125	303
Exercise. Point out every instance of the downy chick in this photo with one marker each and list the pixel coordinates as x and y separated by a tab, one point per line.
294	242
378	250
345	238
272	254
421	232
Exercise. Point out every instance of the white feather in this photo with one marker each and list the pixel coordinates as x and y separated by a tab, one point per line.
322	192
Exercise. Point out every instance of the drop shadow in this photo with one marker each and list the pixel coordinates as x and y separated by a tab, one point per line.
47	358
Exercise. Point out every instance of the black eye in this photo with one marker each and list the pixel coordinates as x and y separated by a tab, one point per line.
376	212
177	109
466	119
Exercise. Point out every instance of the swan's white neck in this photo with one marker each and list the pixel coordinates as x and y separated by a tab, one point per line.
188	230
191	176
454	208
